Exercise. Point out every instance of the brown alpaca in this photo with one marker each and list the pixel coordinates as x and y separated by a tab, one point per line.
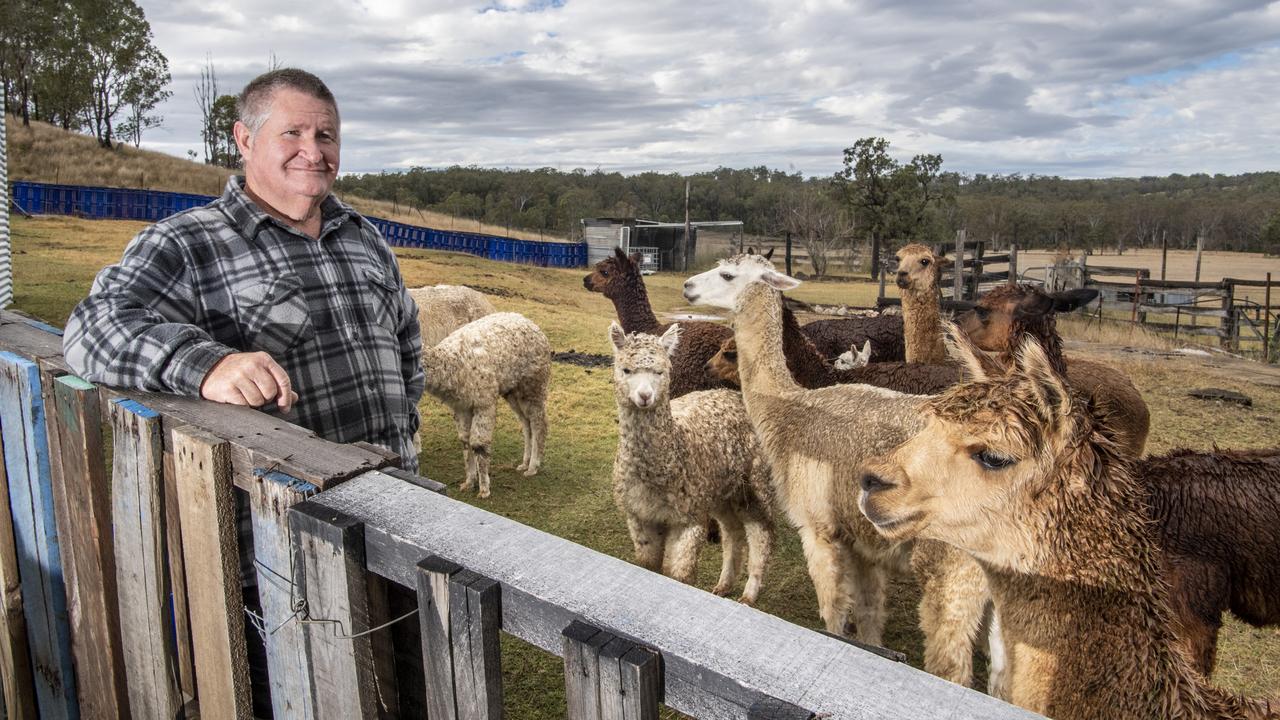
1007	313
919	277
1016	471
833	337
618	278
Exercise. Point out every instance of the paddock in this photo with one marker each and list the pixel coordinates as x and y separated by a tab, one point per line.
122	594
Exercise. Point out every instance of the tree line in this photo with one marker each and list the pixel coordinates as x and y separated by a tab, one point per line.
874	200
85	65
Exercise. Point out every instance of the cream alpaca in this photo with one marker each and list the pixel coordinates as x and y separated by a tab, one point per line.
682	462
815	442
501	355
445	308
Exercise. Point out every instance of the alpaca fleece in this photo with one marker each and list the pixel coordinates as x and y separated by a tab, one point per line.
831	338
445	308
681	463
503	355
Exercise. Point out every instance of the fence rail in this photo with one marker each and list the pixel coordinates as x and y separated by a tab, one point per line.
141	613
152	205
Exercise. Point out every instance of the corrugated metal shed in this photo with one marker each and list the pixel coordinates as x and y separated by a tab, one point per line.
6	266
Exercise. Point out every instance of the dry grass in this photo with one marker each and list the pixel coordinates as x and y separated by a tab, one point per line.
1110	332
49	154
56	258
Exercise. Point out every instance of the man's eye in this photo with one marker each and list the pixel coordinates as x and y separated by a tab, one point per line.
993	460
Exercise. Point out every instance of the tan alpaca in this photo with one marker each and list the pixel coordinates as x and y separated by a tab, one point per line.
919	279
1014	470
445	308
815	442
682	462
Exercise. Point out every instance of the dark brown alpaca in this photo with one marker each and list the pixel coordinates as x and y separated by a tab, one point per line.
1218	515
618	278
1015	470
1006	314
832	338
810	370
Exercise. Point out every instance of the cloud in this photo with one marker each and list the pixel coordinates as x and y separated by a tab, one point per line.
993	86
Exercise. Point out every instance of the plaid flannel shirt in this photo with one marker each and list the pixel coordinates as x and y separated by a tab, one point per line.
227	277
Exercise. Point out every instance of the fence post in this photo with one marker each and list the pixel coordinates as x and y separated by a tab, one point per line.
137	495
609	678
1266	323
1137	295
206	502
43	591
460	614
83	506
976	278
331	576
1013	264
15	653
1228	327
957	290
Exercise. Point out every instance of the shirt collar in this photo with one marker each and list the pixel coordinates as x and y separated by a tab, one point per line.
249	217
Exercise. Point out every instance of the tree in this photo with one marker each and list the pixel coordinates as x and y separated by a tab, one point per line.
866	182
26	27
814	217
223	121
141	97
206	95
62	80
123	63
1271	237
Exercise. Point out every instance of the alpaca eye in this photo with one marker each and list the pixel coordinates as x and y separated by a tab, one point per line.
992	460
924	263
604	273
626	371
731	356
727	277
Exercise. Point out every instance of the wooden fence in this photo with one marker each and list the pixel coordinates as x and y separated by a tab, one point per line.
123	598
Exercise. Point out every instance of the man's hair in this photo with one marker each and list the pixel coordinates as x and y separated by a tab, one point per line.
253	105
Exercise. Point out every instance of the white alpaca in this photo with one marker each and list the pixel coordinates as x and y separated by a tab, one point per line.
501	355
849	361
682	462
445	308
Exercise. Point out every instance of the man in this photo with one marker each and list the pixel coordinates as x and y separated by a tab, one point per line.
276	295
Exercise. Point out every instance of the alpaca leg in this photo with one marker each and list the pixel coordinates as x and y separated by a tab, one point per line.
649	540
759	547
998	671
462	419
535	408
683	561
481	441
953	601
518	407
828	564
733	542
867	585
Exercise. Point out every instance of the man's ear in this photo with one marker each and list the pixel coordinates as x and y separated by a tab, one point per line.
243	138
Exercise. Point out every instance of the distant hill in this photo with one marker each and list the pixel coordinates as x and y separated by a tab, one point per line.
46	153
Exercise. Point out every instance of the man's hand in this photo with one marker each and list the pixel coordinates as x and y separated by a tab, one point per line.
252	379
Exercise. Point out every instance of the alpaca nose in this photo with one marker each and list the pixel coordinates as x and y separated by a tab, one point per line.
645	397
872	482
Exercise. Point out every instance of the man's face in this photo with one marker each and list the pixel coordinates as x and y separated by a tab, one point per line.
295	152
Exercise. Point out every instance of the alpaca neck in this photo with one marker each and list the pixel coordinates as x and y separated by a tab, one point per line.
632	305
806	364
762	366
438	367
922	326
644	436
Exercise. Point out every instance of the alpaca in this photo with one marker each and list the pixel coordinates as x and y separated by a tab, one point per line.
1014	470
1007	313
919	279
834	337
849	360
815	442
445	308
618	278
683	462
504	354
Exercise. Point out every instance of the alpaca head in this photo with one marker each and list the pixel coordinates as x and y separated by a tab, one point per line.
724	364
985	470
1008	312
642	365
613	275
919	270
720	286
849	360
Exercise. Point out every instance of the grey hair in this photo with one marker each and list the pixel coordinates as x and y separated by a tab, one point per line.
253	105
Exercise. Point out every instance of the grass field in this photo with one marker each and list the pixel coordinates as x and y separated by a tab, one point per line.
55	260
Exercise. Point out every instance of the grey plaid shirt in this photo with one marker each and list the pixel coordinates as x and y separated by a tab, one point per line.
226	278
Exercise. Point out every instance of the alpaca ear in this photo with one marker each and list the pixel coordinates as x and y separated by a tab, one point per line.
768	254
670	339
634	258
617	336
778	280
1034	305
1032	364
864	355
1069	300
963	351
618	253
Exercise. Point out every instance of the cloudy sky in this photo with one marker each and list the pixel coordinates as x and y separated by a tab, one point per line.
1083	89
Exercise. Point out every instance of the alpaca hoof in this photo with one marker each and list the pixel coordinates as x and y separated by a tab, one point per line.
531	471
466	485
484	493
748	601
521	467
721	590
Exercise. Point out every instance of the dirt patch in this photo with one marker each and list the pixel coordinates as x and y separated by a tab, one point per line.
500	292
589	360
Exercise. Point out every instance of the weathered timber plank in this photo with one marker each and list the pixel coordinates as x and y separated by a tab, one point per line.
611	692
15	653
581	652
475	617
269	501
641	684
432	580
138	511
206	503
18	336
44	600
184	655
719	657
83	507
329	562
775	709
